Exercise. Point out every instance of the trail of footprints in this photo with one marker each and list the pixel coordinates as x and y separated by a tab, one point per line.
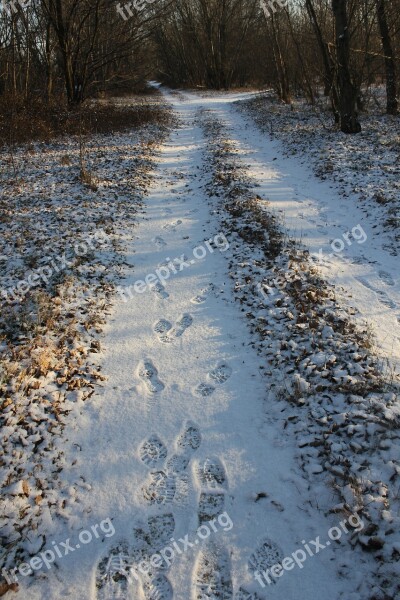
168	480
116	573
212	576
212	573
168	483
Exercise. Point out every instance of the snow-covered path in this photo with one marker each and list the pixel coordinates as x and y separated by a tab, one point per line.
338	232
180	434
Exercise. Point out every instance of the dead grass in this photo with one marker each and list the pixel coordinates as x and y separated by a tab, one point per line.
36	120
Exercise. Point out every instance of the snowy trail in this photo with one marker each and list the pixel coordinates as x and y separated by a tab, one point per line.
361	267
161	346
182	431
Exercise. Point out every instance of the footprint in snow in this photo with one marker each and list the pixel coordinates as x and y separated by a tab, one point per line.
186	444
152	451
172	226
212	575
165	331
159	488
151	537
211	505
118	572
159	290
149	375
157	588
159	242
221	373
212	477
211	473
182	324
386	278
204	390
113	576
190	438
204	293
170	482
161	529
266	555
162	327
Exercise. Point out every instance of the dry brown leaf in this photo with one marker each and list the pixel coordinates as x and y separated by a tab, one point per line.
6	587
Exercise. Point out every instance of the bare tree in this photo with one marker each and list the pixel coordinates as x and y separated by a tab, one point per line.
78	48
392	104
347	92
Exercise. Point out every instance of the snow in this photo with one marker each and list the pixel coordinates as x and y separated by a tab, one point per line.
218	397
318	213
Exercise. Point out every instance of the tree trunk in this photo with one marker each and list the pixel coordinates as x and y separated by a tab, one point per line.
306	83
392	105
329	67
49	66
14	59
349	122
62	28
284	88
